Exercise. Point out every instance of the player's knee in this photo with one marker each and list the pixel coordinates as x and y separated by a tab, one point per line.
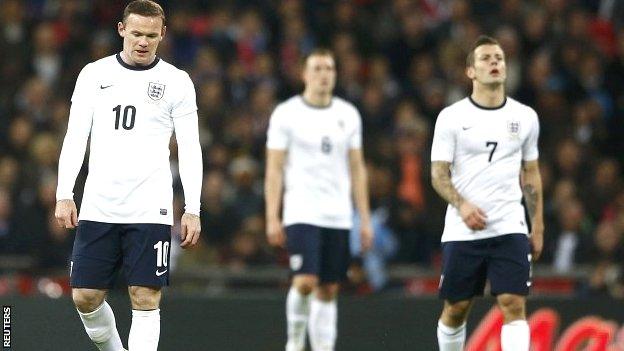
456	313
87	301
327	292
512	307
305	284
143	298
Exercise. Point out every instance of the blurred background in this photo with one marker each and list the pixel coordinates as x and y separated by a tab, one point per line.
400	62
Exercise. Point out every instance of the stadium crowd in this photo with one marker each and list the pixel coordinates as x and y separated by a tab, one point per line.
399	61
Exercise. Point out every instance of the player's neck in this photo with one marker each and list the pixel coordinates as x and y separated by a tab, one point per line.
125	58
490	97
317	99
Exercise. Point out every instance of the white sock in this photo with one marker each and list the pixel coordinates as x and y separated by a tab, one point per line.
101	327
322	326
515	336
297	313
451	339
145	330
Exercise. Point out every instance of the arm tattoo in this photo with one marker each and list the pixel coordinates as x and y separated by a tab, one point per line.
441	181
530	198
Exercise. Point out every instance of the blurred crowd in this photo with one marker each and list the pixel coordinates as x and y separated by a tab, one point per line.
399	61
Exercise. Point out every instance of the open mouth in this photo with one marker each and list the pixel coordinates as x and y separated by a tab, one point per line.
494	72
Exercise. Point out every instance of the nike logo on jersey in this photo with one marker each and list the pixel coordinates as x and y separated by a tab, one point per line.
105	86
159	273
466	128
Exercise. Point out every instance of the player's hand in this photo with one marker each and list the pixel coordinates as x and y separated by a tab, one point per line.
537	240
473	216
66	213
275	233
366	237
190	228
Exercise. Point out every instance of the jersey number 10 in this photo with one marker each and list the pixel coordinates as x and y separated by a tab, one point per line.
162	253
127	121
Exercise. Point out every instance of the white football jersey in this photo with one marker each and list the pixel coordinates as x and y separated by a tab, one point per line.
486	148
130	113
317	181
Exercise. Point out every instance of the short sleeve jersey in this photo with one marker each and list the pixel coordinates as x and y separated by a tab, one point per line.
317	183
132	111
486	148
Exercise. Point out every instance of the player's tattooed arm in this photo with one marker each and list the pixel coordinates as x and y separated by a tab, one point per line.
532	190
441	181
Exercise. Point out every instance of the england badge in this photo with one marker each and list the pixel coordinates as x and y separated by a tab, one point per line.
155	91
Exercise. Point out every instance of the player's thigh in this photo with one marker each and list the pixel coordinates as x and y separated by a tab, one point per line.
303	243
96	255
146	253
335	255
510	265
464	270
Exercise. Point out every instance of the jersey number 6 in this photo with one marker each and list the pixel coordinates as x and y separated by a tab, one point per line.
128	121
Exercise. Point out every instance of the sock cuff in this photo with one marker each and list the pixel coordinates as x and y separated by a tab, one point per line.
146	313
94	312
450	330
517	323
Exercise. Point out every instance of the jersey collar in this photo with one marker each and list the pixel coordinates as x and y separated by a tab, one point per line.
488	108
136	68
316	107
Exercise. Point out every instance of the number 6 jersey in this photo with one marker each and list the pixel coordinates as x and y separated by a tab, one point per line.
486	147
317	140
130	113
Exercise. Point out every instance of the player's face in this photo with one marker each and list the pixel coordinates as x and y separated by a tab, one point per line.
489	65
141	38
319	73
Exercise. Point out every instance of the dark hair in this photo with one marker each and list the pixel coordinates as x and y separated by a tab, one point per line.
318	52
147	8
481	40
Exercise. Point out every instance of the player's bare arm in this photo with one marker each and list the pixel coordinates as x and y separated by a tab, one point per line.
66	213
532	190
359	180
273	186
472	215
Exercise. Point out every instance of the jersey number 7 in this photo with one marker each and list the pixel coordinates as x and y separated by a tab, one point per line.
494	144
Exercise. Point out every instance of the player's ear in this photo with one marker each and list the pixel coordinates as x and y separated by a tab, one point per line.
120	28
470	72
162	32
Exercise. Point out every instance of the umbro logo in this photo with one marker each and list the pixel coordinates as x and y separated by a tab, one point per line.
105	86
159	273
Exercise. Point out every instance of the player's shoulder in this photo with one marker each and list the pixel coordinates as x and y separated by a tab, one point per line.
345	107
294	101
522	109
456	109
170	69
101	65
290	104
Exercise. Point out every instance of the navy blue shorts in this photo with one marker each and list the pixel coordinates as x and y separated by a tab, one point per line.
504	260
101	249
323	252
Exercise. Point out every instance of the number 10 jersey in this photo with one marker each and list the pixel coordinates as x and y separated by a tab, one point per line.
129	113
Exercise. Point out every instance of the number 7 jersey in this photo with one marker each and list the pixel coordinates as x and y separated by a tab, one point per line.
129	113
486	147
